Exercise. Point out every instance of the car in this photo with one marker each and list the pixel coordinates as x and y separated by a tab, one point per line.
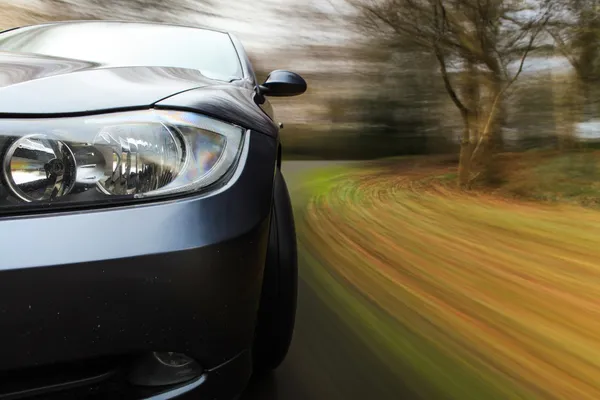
147	240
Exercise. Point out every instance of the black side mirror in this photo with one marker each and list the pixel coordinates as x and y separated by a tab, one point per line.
282	83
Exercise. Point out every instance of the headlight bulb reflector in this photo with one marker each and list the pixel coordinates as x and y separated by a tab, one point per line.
38	168
142	158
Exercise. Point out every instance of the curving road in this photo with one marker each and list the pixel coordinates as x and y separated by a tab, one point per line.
327	360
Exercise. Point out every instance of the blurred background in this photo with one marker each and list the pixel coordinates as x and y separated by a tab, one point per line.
444	172
372	81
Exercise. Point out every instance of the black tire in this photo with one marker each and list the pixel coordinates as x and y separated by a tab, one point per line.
277	310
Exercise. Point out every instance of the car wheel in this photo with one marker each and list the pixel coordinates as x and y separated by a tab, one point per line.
277	310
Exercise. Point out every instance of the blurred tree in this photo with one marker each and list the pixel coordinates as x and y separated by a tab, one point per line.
532	112
474	41
397	99
150	10
13	14
575	28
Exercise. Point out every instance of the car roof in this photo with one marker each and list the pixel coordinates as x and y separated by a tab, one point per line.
131	22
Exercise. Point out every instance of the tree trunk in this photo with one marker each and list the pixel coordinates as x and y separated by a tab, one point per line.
466	151
489	140
464	165
496	134
472	96
493	143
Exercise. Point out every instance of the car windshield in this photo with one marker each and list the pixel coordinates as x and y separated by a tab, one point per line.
118	44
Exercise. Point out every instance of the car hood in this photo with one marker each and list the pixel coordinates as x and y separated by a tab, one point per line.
39	85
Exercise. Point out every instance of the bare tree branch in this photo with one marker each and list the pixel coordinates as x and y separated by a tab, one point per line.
563	48
485	133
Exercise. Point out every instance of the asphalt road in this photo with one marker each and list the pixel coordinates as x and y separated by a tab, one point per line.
326	361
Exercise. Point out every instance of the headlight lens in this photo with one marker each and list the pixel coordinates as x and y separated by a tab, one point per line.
113	156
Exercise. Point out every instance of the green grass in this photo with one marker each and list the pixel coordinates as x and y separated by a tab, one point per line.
569	178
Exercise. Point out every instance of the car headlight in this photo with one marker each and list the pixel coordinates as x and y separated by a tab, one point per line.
135	154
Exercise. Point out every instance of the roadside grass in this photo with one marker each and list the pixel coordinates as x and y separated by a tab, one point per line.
572	178
467	297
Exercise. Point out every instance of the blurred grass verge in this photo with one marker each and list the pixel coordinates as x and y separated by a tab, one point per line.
572	177
465	295
428	371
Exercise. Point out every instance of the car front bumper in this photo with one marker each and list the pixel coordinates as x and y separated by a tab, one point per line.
177	276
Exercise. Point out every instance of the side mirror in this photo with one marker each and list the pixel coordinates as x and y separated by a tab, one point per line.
282	83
